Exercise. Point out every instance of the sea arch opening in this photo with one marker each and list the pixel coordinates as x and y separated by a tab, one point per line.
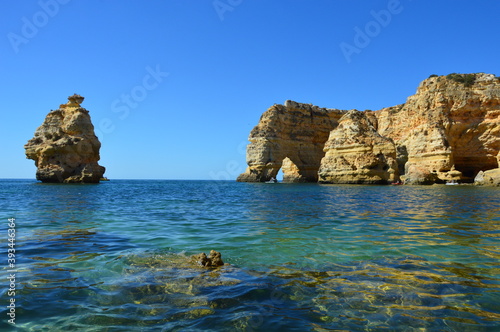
280	175
288	171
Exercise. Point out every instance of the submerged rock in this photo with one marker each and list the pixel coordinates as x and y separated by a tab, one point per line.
65	148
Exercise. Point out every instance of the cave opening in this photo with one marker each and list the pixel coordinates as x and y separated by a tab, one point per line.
472	165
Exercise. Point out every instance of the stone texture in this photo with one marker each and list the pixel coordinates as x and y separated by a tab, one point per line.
356	153
213	260
65	148
488	178
290	135
448	130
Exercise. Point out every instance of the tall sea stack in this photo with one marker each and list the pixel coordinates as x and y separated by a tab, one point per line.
65	148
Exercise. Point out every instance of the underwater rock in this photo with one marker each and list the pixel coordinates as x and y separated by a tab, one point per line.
382	293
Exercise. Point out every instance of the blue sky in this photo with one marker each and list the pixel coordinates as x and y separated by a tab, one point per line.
174	86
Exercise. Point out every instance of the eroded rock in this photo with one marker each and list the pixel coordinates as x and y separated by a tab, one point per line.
65	148
356	153
448	130
290	135
214	259
488	178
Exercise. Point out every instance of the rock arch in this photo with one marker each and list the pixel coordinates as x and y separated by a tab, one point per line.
291	136
447	131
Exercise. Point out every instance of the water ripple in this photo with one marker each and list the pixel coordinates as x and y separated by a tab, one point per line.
113	256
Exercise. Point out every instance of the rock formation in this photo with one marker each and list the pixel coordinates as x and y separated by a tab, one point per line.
448	130
65	148
490	177
214	259
291	136
356	153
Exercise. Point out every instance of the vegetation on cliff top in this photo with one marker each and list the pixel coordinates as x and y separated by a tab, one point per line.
466	79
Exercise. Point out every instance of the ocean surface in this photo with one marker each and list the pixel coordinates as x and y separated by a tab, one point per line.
300	257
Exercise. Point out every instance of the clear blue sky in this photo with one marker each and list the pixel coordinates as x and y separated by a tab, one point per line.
198	74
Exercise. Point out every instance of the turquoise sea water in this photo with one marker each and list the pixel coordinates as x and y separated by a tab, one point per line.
302	257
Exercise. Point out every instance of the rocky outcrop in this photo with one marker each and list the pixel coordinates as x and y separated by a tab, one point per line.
291	136
65	148
214	259
490	177
356	153
448	130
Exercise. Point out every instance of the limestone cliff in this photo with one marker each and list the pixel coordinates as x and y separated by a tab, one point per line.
65	148
356	153
448	130
291	136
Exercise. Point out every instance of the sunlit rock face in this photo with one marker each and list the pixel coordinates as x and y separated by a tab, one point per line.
356	153
448	130
65	148
291	136
490	177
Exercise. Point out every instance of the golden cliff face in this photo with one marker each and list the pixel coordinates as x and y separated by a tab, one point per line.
65	148
448	130
356	153
291	137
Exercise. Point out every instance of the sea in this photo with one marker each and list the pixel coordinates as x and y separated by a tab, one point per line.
116	256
